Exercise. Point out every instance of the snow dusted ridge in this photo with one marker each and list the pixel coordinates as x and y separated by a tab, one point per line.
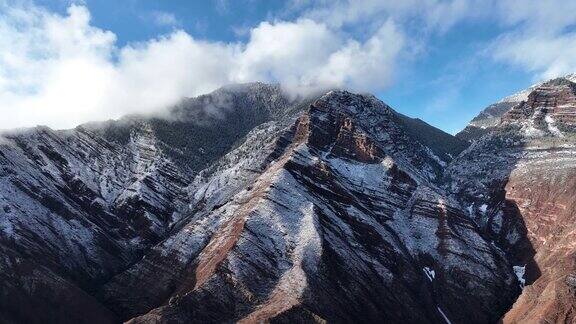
246	206
77	207
491	116
521	170
346	204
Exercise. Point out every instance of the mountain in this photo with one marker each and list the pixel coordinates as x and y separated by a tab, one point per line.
79	206
519	183
344	220
491	115
248	205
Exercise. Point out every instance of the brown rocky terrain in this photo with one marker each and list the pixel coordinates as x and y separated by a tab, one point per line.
346	223
534	199
246	206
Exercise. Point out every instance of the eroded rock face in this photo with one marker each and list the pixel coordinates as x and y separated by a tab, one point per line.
330	210
554	100
549	212
490	117
519	184
345	222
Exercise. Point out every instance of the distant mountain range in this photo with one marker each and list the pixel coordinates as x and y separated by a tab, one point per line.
248	205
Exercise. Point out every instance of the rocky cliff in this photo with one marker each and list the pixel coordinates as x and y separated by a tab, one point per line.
490	117
247	205
518	180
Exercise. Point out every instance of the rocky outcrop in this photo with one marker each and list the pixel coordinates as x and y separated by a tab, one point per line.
490	117
344	222
553	100
246	206
518	181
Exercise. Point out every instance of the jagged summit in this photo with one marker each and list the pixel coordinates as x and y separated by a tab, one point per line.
491	115
548	108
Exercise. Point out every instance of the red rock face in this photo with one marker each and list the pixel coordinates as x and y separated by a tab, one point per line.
556	99
340	211
523	174
546	197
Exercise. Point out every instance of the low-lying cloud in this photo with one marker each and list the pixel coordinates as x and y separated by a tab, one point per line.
61	71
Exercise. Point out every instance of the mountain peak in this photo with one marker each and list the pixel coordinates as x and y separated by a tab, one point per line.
362	127
352	103
491	116
549	109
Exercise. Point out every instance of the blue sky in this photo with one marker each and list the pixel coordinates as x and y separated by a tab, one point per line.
438	60
134	20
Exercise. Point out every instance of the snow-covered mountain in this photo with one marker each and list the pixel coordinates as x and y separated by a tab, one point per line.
343	219
79	206
490	116
246	205
519	183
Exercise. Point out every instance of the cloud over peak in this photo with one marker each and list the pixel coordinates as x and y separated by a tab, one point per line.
72	72
62	70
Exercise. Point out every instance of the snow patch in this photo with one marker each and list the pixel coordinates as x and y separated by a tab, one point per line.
520	271
430	273
483	208
552	127
532	131
443	315
470	209
361	174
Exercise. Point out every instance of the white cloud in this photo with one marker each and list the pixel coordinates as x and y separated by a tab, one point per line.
365	66
61	71
542	38
431	15
306	55
152	75
50	61
537	36
548	56
162	18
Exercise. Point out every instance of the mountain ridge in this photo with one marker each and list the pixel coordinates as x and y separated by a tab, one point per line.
490	116
331	208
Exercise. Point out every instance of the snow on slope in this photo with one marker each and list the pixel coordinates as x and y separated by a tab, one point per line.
490	116
349	202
